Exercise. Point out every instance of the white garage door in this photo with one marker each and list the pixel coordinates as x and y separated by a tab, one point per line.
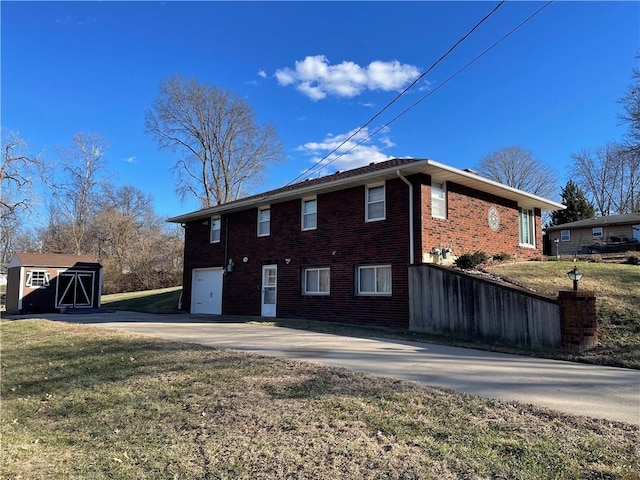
206	294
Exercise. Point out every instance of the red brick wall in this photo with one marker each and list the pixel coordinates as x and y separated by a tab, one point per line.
342	241
466	226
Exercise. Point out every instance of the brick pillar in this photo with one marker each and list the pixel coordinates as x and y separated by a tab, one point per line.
578	324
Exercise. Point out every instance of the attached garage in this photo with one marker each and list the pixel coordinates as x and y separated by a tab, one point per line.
52	282
206	293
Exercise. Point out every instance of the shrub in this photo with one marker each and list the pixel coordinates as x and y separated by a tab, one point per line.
471	260
502	257
632	260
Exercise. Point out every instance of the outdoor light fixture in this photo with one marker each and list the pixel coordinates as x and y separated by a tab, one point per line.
575	275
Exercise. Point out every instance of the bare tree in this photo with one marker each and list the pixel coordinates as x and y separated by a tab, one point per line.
223	150
610	175
631	113
75	196
518	168
135	249
15	174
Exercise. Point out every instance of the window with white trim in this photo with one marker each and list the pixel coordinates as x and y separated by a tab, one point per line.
526	227
374	280
375	203
596	232
309	213
316	281
264	221
565	235
215	229
37	278
438	200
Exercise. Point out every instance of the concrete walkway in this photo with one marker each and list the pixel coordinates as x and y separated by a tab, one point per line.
573	388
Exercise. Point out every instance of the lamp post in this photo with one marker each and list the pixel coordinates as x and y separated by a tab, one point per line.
575	275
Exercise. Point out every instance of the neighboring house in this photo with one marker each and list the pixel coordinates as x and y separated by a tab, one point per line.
338	247
615	232
48	282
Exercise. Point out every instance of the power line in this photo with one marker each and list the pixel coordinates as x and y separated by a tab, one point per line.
397	97
431	92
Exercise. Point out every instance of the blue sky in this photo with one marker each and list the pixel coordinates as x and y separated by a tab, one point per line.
317	71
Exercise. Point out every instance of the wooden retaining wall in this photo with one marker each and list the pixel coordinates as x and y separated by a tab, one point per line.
448	302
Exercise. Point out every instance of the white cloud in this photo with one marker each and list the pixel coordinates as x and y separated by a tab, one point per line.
371	150
262	73
131	159
317	79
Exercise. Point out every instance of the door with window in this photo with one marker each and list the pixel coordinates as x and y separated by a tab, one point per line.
269	290
75	289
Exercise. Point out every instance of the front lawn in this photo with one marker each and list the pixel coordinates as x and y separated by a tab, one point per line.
81	402
617	289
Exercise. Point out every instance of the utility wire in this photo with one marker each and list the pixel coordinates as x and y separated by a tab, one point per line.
397	97
431	92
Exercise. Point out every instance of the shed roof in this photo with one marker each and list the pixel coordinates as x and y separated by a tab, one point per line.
627	219
377	172
50	260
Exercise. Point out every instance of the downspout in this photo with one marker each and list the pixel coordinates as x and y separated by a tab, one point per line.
411	242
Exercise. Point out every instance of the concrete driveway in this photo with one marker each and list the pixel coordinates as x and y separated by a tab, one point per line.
577	389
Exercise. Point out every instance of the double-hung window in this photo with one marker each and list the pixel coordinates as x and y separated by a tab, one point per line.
565	235
374	280
438	200
596	232
375	203
316	281
264	221
309	214
37	278
215	229
526	227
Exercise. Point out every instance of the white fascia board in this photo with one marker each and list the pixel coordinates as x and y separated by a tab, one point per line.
299	192
543	203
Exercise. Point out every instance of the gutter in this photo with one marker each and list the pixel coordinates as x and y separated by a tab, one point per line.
411	242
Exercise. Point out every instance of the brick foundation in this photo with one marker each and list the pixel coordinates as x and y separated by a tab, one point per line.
578	323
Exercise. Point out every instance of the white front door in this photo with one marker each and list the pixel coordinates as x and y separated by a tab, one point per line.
269	290
206	291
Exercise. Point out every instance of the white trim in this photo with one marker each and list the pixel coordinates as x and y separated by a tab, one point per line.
376	267
383	201
593	233
262	209
429	167
29	279
304	281
211	221
442	187
302	213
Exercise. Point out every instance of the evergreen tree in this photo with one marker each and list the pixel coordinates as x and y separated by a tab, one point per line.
578	207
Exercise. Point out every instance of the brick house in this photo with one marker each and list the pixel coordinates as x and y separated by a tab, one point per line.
338	247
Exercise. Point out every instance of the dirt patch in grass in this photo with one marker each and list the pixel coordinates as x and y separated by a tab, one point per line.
82	402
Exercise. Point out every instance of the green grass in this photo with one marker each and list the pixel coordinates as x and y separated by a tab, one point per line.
83	402
617	289
164	300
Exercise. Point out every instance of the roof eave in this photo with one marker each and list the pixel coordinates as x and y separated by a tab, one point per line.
472	180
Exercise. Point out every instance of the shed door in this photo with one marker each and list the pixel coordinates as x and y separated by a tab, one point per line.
206	296
75	289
